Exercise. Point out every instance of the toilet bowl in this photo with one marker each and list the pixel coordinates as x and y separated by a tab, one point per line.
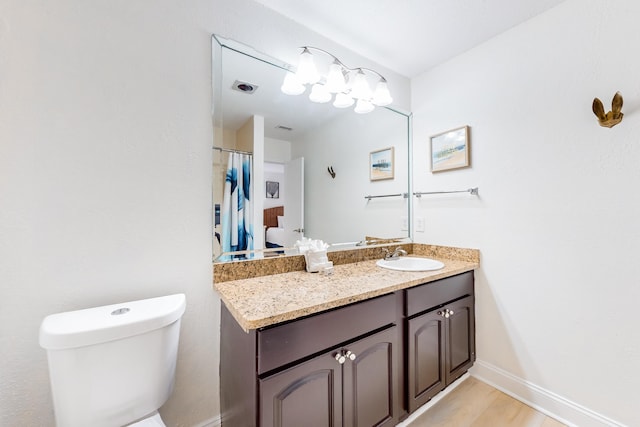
113	365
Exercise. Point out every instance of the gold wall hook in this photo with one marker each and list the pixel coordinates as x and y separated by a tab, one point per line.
611	118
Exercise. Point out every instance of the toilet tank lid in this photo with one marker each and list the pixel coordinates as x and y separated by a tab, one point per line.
108	323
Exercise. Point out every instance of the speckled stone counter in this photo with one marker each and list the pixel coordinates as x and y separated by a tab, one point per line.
262	301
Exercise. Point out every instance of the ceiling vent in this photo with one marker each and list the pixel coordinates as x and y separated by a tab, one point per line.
245	87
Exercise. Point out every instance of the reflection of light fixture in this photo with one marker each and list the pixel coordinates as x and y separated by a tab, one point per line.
348	84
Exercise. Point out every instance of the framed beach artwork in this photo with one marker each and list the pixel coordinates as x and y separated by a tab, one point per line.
450	150
381	164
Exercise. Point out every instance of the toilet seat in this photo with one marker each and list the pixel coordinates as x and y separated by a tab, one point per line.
152	421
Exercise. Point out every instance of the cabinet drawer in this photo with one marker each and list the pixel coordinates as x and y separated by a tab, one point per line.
424	297
291	341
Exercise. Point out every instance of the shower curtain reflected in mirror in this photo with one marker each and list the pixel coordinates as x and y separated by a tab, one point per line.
237	209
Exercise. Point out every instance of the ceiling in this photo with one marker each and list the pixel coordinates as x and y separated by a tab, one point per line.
409	36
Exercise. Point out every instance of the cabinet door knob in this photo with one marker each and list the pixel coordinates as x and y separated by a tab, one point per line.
441	313
450	312
350	355
340	358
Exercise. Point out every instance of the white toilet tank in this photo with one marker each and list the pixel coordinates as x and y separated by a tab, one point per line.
113	365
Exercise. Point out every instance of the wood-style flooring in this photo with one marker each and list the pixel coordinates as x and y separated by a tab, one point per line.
474	403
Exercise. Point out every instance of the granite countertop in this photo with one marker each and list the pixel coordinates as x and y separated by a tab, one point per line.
267	300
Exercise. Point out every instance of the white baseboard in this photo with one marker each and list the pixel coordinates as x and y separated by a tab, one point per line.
212	422
545	401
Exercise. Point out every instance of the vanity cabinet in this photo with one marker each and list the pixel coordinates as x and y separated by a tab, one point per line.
366	364
354	386
339	368
441	336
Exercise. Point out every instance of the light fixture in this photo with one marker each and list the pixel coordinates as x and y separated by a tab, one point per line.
359	87
291	85
348	84
382	96
343	100
319	94
335	78
307	72
363	106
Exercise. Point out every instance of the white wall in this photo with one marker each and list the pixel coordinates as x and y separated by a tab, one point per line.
105	174
336	210
277	150
105	137
557	216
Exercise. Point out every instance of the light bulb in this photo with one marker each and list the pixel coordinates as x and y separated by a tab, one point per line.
291	85
382	96
335	79
343	101
319	94
363	107
360	88
307	72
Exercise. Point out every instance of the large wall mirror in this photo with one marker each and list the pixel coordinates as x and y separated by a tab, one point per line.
312	168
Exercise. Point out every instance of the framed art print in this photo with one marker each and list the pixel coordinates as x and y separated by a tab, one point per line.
273	190
450	150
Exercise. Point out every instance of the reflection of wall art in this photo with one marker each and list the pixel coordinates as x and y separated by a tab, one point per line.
450	149
273	190
381	164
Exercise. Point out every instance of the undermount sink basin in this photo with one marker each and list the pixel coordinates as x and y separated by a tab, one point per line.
410	264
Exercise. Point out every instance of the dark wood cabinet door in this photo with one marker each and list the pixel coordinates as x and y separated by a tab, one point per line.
309	394
371	388
426	357
460	344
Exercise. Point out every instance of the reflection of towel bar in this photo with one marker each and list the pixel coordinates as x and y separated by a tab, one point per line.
472	191
405	195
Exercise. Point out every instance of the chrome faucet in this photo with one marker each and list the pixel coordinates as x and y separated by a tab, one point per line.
395	255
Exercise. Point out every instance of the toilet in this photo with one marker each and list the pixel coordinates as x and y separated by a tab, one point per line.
114	365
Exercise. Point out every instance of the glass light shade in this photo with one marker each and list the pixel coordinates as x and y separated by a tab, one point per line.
382	96
307	72
343	101
319	94
360	88
291	85
363	107
335	79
